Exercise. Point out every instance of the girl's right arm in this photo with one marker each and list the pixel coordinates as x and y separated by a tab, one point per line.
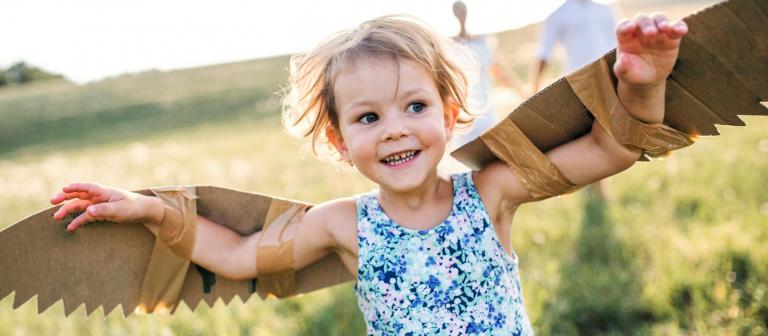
216	247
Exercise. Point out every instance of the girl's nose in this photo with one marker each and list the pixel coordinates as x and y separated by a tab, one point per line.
394	130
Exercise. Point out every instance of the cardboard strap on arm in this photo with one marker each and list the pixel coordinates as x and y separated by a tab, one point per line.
170	258
534	169
594	87
274	256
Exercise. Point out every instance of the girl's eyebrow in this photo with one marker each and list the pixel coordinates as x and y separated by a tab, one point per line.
414	91
360	103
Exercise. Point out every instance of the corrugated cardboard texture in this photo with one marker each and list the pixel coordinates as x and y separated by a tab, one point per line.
103	264
722	72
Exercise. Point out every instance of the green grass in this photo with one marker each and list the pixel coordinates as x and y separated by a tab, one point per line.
678	248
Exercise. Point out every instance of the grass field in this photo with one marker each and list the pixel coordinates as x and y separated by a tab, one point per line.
678	248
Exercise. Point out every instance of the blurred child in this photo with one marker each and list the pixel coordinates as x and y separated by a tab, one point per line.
490	70
385	97
585	29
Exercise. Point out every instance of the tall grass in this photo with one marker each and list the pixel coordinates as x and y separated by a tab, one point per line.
677	249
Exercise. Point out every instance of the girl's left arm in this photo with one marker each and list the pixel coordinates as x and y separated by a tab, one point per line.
647	50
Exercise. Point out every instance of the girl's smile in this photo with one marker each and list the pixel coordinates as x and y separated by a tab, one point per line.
401	160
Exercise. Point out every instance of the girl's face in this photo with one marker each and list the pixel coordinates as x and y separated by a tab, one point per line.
394	126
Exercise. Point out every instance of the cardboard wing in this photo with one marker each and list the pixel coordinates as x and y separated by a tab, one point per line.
104	264
722	72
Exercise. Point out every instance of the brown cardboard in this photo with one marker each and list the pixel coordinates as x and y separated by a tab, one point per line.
733	43
721	73
103	264
596	90
537	173
762	4
679	99
754	18
274	261
170	257
163	279
178	228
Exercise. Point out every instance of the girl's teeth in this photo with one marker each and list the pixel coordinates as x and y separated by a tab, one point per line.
400	158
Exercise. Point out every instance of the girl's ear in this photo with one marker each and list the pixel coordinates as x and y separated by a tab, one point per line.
337	141
451	115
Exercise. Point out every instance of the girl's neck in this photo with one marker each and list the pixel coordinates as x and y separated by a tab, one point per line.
433	189
464	35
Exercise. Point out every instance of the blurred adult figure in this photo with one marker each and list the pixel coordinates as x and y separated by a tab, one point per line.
586	30
491	69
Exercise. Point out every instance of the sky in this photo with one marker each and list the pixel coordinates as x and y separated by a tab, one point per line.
86	40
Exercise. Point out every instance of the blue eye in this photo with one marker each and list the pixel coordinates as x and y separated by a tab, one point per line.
416	107
368	118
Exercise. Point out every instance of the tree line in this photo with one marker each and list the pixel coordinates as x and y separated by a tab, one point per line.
21	73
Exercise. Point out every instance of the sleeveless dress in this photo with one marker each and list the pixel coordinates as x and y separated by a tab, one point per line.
453	279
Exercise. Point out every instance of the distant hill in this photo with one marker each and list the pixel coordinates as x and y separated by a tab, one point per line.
131	106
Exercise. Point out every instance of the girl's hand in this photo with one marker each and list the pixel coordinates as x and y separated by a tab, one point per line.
101	203
647	49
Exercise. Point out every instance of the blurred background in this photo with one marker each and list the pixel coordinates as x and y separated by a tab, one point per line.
137	94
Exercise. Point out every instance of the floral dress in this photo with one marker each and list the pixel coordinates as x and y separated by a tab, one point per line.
453	279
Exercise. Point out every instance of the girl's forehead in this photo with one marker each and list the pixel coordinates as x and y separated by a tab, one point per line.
382	78
379	64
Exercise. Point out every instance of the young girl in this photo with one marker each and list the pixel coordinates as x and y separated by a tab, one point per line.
386	97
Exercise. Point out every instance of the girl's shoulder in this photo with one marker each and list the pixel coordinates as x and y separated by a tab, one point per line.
338	218
496	182
338	211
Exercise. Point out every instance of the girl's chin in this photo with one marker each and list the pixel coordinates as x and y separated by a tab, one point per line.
405	183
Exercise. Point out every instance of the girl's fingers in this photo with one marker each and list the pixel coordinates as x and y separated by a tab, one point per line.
89	191
678	29
74	206
96	203
63	196
92	188
58	198
102	211
646	24
625	30
79	221
674	29
94	212
661	21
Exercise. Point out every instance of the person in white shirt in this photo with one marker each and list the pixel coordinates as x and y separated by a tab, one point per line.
584	28
490	69
586	31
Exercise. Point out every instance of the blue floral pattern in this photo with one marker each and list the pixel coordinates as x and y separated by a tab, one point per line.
453	279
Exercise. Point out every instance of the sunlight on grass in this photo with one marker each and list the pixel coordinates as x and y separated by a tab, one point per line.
684	219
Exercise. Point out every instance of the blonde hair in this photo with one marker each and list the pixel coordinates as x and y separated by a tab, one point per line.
309	104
